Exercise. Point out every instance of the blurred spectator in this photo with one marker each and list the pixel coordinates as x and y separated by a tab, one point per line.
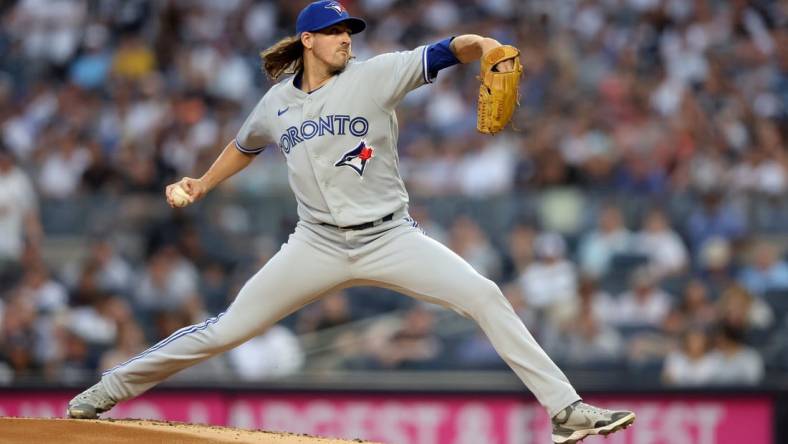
447	111
113	273
468	240
232	75
715	261
550	282
19	222
37	286
17	341
738	308
487	168
91	68
733	362
598	247
664	248
214	287
695	310
644	305
168	281
640	175
75	362
129	343
586	339
331	310
98	323
714	218
411	344
49	29
520	251
759	172
429	170
62	169
86	290
100	176
766	270
585	141
692	364
133	58
274	353
593	298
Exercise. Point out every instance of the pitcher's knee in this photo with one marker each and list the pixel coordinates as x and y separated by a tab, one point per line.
484	296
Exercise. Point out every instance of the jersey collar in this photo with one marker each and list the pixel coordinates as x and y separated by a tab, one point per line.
296	83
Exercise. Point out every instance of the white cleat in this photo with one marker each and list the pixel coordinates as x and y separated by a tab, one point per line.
90	403
579	420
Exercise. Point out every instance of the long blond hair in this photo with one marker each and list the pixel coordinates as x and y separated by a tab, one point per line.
284	57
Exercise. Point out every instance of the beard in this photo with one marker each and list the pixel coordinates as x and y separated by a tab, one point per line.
340	68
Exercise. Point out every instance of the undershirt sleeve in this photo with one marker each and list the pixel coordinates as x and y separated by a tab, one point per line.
439	56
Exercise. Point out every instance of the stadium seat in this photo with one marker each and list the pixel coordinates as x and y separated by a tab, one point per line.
778	300
627	261
631	331
616	280
674	285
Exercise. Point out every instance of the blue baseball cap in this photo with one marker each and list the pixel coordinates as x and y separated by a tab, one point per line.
322	14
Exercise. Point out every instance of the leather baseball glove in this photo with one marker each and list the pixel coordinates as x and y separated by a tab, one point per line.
498	93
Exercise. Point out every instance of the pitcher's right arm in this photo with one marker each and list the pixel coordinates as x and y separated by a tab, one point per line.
230	161
251	140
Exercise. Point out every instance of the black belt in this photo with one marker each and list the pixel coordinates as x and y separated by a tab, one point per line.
363	226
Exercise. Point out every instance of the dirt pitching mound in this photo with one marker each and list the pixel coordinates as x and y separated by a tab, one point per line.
113	431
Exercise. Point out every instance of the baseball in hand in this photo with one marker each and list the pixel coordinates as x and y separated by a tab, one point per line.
179	197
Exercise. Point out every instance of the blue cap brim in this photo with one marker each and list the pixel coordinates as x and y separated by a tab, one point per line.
355	24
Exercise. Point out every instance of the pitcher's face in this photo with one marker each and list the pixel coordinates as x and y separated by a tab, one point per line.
332	46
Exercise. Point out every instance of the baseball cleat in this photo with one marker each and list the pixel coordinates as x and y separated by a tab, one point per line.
579	420
90	403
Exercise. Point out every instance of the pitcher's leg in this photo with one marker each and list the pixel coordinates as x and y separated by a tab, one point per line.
423	268
296	275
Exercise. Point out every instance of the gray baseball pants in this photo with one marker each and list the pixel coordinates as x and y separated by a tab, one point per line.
317	259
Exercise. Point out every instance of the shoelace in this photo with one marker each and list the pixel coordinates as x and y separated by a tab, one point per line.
90	395
585	408
92	391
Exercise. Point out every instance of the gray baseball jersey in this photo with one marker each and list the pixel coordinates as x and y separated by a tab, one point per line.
340	144
340	141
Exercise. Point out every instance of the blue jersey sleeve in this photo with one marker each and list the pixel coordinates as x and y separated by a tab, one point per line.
439	56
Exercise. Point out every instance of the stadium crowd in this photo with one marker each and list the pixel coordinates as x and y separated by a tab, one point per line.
639	202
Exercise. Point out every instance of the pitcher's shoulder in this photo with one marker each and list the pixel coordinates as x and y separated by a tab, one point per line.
353	67
280	86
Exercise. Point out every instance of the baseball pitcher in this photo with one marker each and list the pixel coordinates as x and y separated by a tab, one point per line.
334	121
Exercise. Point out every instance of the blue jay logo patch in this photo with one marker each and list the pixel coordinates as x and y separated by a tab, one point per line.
336	6
357	158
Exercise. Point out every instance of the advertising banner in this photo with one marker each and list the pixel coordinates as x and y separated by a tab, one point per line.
432	419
